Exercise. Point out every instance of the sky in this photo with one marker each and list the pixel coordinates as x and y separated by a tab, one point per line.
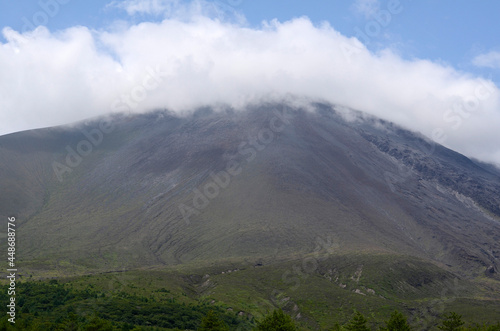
430	66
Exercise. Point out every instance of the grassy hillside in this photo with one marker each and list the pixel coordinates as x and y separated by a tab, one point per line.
316	290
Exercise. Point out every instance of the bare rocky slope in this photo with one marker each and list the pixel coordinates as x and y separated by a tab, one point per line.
258	185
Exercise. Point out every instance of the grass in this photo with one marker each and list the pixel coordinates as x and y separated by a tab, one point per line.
317	295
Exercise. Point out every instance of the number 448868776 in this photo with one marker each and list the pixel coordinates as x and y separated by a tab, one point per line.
12	241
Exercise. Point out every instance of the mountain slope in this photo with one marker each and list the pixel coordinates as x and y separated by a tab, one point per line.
264	184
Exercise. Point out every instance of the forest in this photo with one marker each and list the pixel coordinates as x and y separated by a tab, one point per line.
51	305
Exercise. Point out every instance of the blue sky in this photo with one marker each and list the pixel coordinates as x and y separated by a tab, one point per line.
453	32
430	66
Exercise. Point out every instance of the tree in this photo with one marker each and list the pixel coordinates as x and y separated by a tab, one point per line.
485	327
98	324
336	327
452	322
212	322
357	323
277	321
397	322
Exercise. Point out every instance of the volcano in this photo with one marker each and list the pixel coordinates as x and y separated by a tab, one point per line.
266	183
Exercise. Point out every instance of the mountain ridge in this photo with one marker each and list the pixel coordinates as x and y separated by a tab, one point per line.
295	175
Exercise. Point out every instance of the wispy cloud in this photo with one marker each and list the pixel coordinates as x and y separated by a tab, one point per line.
488	60
182	10
368	8
50	78
150	7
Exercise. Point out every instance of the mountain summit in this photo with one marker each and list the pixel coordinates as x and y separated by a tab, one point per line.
267	183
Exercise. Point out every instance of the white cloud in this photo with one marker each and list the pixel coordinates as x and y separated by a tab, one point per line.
151	7
55	78
221	9
368	8
489	60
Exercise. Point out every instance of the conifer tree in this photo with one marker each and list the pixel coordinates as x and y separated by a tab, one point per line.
452	322
397	322
357	323
212	322
277	321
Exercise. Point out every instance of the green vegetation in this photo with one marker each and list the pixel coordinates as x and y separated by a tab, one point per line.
212	322
397	322
277	321
357	323
452	322
388	292
55	306
485	327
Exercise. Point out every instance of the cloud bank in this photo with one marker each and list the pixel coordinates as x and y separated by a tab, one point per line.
52	78
488	60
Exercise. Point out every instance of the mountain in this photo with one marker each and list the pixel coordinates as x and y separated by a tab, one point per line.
270	183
